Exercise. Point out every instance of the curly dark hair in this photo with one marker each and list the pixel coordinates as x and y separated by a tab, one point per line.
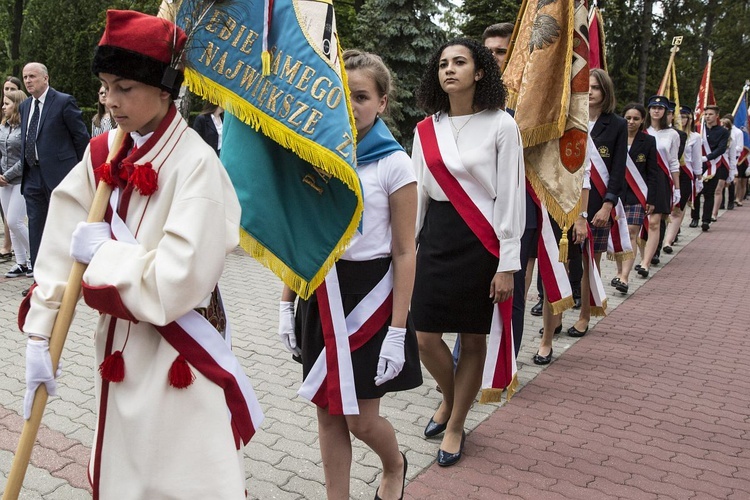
489	93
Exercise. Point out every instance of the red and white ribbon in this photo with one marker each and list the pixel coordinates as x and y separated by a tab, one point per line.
330	382
618	241
475	208
204	348
597	295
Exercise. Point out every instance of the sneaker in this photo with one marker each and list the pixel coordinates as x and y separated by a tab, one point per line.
29	272
17	271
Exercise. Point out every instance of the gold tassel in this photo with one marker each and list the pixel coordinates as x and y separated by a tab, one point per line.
490	396
562	305
265	60
564	245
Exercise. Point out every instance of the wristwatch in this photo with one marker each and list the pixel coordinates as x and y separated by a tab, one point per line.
584	214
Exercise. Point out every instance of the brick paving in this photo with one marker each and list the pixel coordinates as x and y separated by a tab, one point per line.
625	412
652	403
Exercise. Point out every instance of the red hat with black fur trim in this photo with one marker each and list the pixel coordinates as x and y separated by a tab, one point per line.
140	47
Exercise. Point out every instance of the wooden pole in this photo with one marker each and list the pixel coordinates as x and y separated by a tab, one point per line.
742	96
57	341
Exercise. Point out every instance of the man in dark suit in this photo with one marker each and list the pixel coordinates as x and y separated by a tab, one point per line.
54	140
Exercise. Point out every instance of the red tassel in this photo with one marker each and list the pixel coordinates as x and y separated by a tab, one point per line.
144	178
104	173
112	368
180	374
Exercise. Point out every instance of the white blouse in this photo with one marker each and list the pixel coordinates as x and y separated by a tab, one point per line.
668	145
491	150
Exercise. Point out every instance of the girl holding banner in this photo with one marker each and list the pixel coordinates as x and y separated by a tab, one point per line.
468	157
667	191
352	333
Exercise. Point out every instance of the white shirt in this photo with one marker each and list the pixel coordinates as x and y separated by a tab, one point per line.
379	179
41	100
668	145
693	153
490	149
219	126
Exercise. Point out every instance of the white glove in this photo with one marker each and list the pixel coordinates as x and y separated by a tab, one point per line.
704	159
676	196
730	178
698	185
286	327
38	372
392	356
86	240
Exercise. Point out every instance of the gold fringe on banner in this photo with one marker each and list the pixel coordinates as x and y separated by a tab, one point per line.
562	305
495	395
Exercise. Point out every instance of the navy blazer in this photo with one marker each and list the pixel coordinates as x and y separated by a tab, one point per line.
643	153
610	135
204	125
62	137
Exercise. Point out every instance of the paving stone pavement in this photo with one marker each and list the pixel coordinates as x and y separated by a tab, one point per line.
626	413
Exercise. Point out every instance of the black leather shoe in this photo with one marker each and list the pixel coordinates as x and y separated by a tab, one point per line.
542	360
655	260
622	287
25	292
574	332
694	223
643	272
637	267
576	302
433	428
705	226
536	310
557	330
730	207
406	466
614	281
445	459
667	249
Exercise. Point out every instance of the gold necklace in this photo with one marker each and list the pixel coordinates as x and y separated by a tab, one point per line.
459	129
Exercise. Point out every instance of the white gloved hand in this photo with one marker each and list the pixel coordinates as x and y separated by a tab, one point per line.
86	240
392	356
730	179
676	194
286	327
704	159
38	372
698	185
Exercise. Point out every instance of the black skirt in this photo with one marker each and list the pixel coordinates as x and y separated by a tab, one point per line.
663	196
356	279
454	273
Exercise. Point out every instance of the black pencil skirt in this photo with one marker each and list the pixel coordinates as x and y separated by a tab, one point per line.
454	273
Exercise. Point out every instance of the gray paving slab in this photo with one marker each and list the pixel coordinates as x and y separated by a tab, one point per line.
282	460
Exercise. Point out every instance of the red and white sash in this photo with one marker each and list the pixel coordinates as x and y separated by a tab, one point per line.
597	295
618	241
204	348
638	185
330	383
554	275
713	165
691	176
475	207
660	159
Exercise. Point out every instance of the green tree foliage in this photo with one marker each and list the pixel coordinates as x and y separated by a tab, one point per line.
404	34
716	25
478	14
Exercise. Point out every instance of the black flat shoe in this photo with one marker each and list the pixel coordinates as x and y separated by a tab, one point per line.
622	287
403	484
705	226
643	272
557	330
538	359
445	459
536	310
574	332
694	223
637	267
667	249
433	428
655	260
614	281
